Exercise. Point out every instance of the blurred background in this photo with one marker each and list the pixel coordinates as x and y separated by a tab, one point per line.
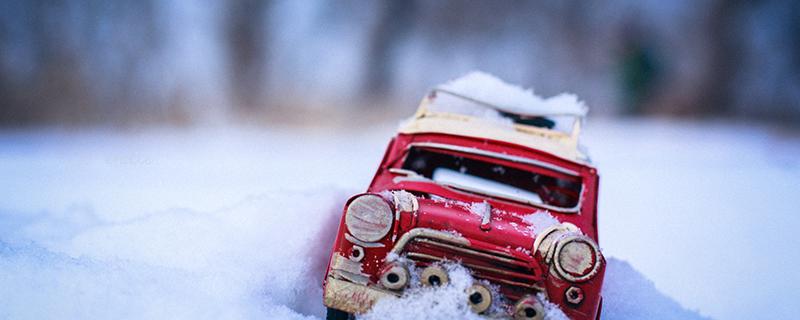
153	153
191	62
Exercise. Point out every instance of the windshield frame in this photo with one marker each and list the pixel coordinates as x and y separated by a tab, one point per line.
413	175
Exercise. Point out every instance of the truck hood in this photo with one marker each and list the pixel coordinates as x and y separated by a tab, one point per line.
514	231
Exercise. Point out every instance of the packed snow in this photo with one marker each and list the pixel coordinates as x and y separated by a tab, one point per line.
429	303
480	209
445	302
236	223
486	88
540	220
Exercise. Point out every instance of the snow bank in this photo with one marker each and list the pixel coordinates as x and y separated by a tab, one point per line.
627	294
262	258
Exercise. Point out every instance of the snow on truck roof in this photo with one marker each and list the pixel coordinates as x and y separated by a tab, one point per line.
483	106
511	98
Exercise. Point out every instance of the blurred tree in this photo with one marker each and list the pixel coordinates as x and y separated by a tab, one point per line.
248	54
715	99
395	23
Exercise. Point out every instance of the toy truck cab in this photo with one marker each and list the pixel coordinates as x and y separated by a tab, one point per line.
511	198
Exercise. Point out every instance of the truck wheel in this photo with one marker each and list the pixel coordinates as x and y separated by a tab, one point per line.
334	314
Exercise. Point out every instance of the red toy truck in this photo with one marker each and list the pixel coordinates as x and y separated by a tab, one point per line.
511	198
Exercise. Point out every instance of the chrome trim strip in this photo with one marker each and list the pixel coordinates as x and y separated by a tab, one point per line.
474	252
403	171
427	233
413	255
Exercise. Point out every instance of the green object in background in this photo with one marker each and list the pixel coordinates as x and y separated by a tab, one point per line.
638	76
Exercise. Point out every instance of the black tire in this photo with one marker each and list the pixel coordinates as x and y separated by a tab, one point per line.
334	314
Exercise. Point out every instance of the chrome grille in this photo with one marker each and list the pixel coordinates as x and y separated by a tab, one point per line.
515	276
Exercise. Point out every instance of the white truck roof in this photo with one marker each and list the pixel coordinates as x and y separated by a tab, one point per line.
482	106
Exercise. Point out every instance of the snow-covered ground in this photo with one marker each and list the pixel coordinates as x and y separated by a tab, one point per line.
232	223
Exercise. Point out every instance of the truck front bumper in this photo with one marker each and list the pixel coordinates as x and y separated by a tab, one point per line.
350	297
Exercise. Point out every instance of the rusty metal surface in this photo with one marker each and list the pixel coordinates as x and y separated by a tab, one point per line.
350	297
344	268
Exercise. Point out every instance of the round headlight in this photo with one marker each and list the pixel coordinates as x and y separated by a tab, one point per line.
368	218
577	258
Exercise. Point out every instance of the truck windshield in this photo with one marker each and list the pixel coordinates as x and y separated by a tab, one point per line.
470	174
